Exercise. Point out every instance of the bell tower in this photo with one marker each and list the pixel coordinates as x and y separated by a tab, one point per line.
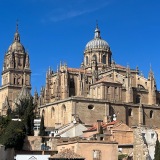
16	72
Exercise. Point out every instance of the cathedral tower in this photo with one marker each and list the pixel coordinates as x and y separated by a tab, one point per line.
16	73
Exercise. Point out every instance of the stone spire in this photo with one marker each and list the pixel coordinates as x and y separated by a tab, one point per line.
27	64
151	74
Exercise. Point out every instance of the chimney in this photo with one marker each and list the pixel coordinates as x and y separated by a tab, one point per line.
99	125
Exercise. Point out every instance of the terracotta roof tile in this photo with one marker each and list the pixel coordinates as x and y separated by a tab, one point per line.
104	125
68	154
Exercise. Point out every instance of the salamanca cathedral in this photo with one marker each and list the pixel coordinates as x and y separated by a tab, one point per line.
99	89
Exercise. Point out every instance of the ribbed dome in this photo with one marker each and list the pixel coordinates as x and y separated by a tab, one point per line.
97	42
16	46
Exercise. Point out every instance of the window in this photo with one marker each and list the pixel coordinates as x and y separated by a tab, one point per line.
104	59
63	110
71	83
140	86
151	114
130	112
95	57
91	107
52	112
116	91
138	99
152	135
108	89
96	155
14	81
86	60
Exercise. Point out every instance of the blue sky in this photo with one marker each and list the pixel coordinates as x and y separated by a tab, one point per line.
58	30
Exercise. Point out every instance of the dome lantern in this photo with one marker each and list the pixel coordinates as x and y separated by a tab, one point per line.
16	35
97	33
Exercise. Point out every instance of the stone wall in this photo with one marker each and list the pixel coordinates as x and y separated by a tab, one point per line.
90	149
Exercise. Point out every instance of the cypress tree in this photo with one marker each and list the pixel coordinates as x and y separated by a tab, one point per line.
42	127
157	150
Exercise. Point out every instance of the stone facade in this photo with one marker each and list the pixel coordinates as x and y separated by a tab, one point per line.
100	88
15	75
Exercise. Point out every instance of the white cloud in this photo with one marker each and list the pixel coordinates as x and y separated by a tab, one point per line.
74	10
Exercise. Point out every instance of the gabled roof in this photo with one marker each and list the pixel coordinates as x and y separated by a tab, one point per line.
104	125
121	127
67	154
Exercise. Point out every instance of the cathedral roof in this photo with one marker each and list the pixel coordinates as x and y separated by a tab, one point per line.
97	42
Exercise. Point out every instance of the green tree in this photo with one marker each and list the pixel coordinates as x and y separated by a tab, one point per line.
13	137
4	121
157	150
42	127
25	111
29	117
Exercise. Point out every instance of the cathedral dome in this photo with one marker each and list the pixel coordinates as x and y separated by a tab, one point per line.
97	42
16	45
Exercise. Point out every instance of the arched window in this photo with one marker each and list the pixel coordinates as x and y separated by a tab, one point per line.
116	91
95	58
140	86
52	112
14	81
130	112
104	59
108	89
63	110
151	114
86	60
71	83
